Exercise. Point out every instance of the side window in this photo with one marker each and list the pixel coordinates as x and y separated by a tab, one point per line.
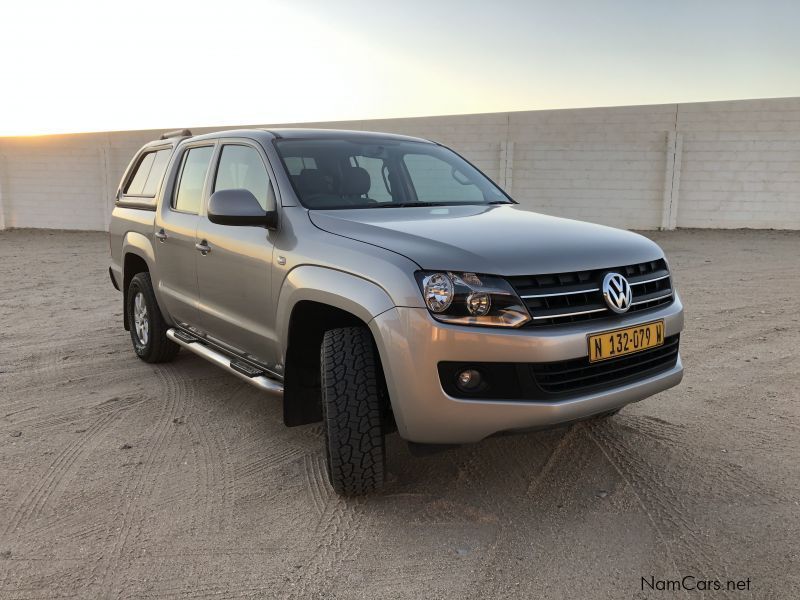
241	167
435	181
148	174
188	194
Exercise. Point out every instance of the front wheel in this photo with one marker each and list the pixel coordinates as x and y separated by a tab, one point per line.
148	329
352	411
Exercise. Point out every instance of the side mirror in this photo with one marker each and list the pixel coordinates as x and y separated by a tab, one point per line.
239	207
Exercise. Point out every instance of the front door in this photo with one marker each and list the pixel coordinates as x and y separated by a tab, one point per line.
234	275
175	236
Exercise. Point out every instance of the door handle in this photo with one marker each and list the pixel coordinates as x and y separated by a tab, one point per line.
161	235
203	247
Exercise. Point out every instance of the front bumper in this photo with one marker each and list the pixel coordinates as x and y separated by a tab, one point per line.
411	345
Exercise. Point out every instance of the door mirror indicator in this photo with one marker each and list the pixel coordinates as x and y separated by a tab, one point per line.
239	207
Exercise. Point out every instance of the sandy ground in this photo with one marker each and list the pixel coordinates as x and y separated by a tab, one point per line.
123	480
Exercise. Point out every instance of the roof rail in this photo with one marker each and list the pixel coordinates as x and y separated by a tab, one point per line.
176	133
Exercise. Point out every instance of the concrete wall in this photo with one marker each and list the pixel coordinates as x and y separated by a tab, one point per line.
715	164
740	164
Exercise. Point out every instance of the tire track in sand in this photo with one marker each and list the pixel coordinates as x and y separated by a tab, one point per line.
220	484
59	473
736	483
665	509
316	482
341	520
506	510
140	486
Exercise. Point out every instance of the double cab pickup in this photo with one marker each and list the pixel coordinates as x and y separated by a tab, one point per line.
382	283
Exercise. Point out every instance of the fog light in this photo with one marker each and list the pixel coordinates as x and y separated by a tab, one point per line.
469	380
478	304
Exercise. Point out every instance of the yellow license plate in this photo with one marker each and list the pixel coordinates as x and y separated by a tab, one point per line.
619	342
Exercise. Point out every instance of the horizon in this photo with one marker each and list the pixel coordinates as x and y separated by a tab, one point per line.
217	126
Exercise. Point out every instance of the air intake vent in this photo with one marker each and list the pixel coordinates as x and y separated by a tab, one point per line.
573	376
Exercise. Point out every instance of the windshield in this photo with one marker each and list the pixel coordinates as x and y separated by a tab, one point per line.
339	174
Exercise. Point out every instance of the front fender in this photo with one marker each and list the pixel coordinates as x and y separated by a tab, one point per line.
350	293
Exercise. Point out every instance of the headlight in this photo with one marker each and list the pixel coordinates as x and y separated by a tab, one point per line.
470	299
438	291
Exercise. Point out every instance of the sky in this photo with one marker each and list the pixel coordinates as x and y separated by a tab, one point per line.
97	65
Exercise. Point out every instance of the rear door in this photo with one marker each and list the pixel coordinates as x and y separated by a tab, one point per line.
234	276
176	229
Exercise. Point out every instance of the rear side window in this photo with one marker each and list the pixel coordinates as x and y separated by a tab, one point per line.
194	166
148	174
241	167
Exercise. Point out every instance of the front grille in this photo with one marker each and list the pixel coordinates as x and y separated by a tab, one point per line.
570	376
561	298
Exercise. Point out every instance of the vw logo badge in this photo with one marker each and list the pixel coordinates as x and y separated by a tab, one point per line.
617	292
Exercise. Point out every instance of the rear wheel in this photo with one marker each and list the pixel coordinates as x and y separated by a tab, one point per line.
148	329
352	411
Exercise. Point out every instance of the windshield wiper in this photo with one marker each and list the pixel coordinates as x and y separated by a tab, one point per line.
407	204
412	204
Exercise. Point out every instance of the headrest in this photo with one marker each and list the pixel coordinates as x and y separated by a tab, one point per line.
312	181
355	182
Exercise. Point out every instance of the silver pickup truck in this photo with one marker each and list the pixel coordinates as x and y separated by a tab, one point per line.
381	282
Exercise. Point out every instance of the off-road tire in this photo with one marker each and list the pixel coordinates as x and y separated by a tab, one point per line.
158	348
352	411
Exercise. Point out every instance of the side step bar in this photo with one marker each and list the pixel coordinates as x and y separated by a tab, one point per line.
241	370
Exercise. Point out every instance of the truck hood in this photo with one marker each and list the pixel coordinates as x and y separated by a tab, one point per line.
499	240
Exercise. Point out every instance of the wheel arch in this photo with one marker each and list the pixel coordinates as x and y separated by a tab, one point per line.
312	301
345	291
137	257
